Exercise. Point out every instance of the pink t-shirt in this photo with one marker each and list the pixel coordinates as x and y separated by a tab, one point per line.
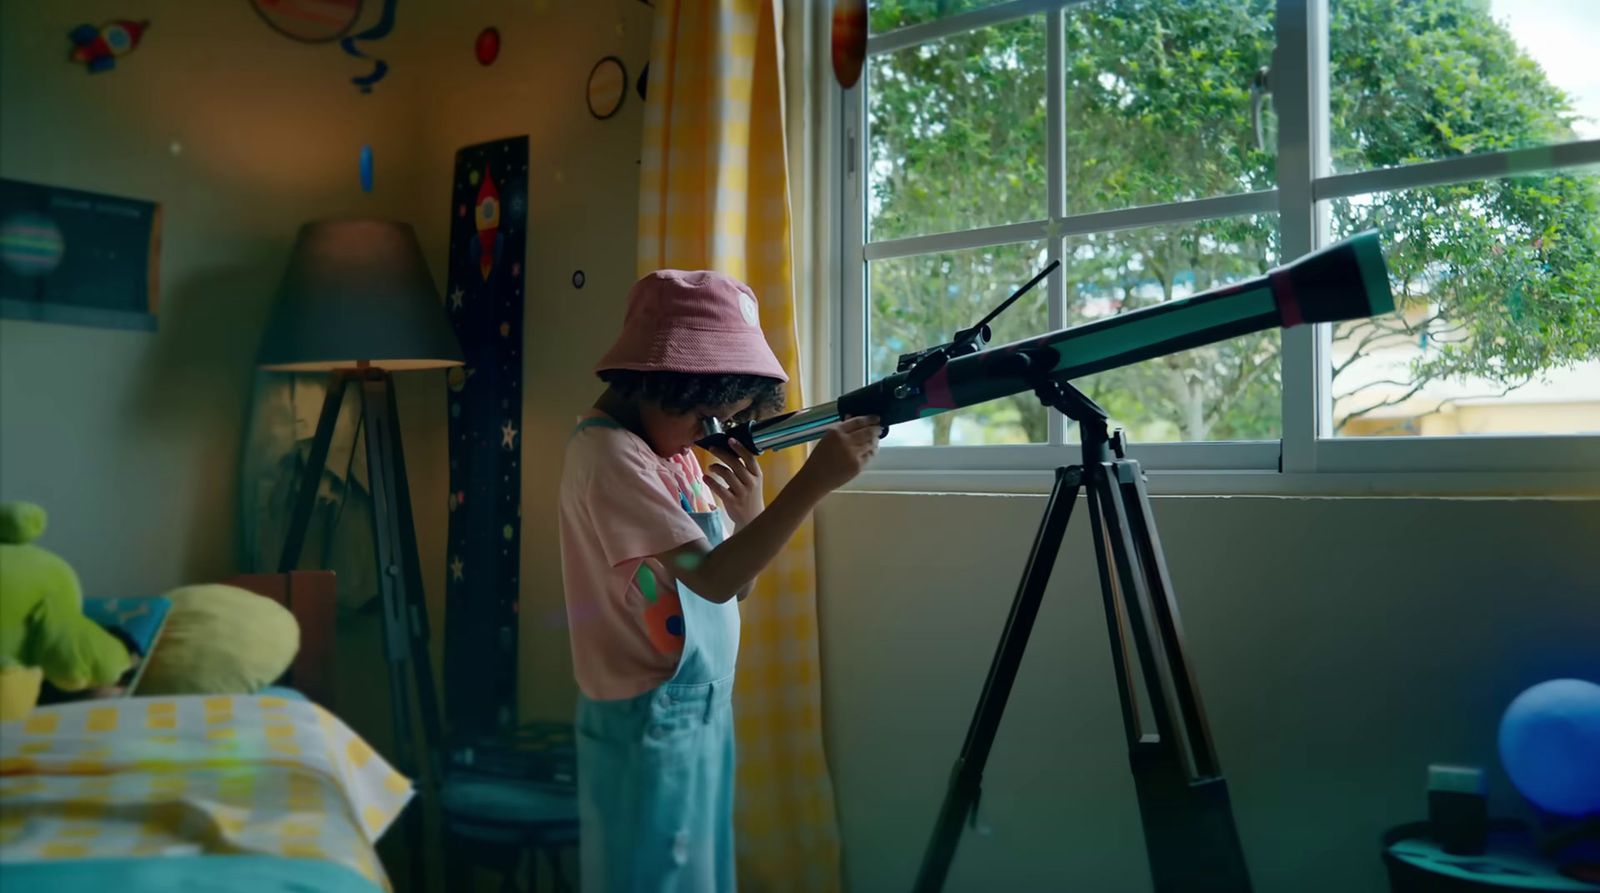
620	505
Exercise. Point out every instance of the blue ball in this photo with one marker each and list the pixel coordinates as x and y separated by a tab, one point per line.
1550	746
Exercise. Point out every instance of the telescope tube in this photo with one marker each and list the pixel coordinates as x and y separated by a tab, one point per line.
1347	280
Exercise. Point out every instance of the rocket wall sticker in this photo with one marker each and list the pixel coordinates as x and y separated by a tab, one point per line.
98	48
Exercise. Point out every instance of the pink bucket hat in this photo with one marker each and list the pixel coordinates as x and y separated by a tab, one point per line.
696	321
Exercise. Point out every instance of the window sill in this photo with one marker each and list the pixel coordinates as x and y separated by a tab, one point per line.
1585	484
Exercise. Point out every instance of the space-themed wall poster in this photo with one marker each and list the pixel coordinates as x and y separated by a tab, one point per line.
75	257
488	233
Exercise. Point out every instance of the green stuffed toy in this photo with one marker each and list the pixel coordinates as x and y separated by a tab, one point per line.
43	632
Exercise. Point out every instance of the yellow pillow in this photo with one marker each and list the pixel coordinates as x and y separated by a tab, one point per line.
19	691
220	640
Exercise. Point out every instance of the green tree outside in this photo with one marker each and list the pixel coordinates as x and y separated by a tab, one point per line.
1501	279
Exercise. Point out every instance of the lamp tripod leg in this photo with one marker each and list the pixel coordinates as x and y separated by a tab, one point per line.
392	542
305	497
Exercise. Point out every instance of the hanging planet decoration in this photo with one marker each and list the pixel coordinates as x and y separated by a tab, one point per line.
608	85
849	40
328	21
577	279
487	47
309	21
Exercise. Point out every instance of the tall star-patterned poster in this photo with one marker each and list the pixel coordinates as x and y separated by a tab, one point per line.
488	230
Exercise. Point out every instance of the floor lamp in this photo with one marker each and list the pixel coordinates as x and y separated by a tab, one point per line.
358	303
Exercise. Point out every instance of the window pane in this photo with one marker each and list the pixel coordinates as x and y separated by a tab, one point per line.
920	301
1225	391
1497	285
1414	81
887	15
956	135
1159	103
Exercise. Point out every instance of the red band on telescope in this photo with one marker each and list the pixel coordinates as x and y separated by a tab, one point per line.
937	390
1283	295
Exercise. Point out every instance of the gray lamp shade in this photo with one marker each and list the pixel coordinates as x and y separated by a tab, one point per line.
358	291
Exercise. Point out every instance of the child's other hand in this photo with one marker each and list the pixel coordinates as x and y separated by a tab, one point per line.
737	482
842	453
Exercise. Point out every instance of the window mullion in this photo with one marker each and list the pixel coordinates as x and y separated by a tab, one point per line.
1055	181
852	369
1293	72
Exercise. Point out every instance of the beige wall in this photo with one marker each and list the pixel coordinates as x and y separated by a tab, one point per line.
583	189
1341	645
131	439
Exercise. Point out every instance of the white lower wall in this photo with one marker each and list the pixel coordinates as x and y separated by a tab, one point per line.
1341	645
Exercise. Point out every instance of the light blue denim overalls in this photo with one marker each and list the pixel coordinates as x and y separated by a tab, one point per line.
656	772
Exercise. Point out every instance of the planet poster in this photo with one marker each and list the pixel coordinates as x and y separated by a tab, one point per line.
484	297
78	258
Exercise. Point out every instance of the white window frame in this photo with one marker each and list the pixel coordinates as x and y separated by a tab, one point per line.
1308	458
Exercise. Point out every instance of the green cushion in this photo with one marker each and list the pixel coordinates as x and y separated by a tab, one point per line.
221	640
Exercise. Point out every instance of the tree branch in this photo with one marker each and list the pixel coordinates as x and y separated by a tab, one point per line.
1448	401
1383	381
1240	382
1394	401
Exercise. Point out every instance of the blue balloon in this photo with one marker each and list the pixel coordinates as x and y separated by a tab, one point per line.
1550	746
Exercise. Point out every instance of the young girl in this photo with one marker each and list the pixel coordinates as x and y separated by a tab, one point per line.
653	576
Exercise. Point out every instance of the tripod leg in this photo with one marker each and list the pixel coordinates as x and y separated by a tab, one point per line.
1190	836
1163	609
966	779
415	595
305	498
389	546
1116	615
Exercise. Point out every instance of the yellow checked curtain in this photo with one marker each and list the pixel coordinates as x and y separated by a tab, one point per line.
714	194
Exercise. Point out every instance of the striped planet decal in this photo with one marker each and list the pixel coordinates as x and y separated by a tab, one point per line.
311	21
31	244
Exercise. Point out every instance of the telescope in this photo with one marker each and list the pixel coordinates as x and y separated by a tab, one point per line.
1191	841
1346	280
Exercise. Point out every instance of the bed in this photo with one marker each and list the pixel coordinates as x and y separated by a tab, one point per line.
268	792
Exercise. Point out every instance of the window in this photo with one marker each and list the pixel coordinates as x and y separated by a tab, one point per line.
1159	148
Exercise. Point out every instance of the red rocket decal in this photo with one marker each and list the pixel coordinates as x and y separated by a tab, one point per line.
487	218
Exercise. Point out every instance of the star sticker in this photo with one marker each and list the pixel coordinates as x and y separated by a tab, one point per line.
508	435
455	569
455	299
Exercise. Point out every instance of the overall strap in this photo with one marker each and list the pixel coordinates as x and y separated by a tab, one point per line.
593	422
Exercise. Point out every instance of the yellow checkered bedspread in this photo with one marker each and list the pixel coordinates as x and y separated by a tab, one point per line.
190	775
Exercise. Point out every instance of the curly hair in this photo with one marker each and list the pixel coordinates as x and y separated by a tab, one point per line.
682	392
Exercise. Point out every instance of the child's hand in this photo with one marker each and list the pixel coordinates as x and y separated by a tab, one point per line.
842	453
738	482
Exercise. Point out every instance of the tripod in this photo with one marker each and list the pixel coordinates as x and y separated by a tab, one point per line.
1189	833
399	571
